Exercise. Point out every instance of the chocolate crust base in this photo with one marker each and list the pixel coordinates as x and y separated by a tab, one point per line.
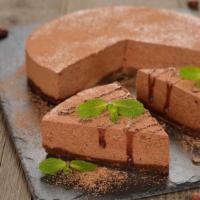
35	89
57	152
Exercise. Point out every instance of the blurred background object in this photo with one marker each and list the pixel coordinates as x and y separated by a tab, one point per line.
195	196
15	12
3	33
193	4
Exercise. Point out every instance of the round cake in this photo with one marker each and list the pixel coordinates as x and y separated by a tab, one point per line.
76	51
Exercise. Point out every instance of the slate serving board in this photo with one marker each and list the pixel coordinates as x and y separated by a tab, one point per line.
23	111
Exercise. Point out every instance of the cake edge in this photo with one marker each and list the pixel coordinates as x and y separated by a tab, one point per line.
57	152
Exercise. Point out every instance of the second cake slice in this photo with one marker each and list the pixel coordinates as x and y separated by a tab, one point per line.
139	141
165	92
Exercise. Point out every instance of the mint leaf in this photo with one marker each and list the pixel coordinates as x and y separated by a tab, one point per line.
129	107
82	166
124	107
190	73
67	170
91	108
114	115
53	165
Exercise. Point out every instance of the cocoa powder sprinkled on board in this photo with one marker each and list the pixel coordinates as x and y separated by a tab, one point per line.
107	180
100	181
41	106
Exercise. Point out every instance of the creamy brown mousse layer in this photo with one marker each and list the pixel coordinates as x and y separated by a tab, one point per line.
140	141
163	91
74	52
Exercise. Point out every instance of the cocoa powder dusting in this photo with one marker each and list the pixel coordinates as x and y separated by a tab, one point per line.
41	106
23	94
98	182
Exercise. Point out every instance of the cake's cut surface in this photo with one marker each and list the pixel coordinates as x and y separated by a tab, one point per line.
163	91
79	49
139	141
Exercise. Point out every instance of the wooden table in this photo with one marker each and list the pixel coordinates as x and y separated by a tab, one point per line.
21	12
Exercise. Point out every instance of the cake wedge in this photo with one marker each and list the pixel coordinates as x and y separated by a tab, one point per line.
139	141
166	93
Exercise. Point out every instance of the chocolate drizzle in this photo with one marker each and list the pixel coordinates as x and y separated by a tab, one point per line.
102	141
129	143
169	91
148	126
129	147
168	95
151	84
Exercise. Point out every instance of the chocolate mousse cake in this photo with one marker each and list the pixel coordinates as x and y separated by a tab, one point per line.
139	142
165	92
76	51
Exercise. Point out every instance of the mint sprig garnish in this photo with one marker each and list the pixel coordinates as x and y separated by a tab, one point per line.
91	108
51	166
191	73
82	166
113	110
129	107
121	107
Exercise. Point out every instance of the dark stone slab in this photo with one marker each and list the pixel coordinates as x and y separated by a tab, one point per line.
23	111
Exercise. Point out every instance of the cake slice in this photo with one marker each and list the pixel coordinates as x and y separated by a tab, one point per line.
163	91
139	141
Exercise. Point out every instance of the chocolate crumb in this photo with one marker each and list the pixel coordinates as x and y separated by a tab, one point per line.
196	154
189	144
67	111
3	33
196	159
193	4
